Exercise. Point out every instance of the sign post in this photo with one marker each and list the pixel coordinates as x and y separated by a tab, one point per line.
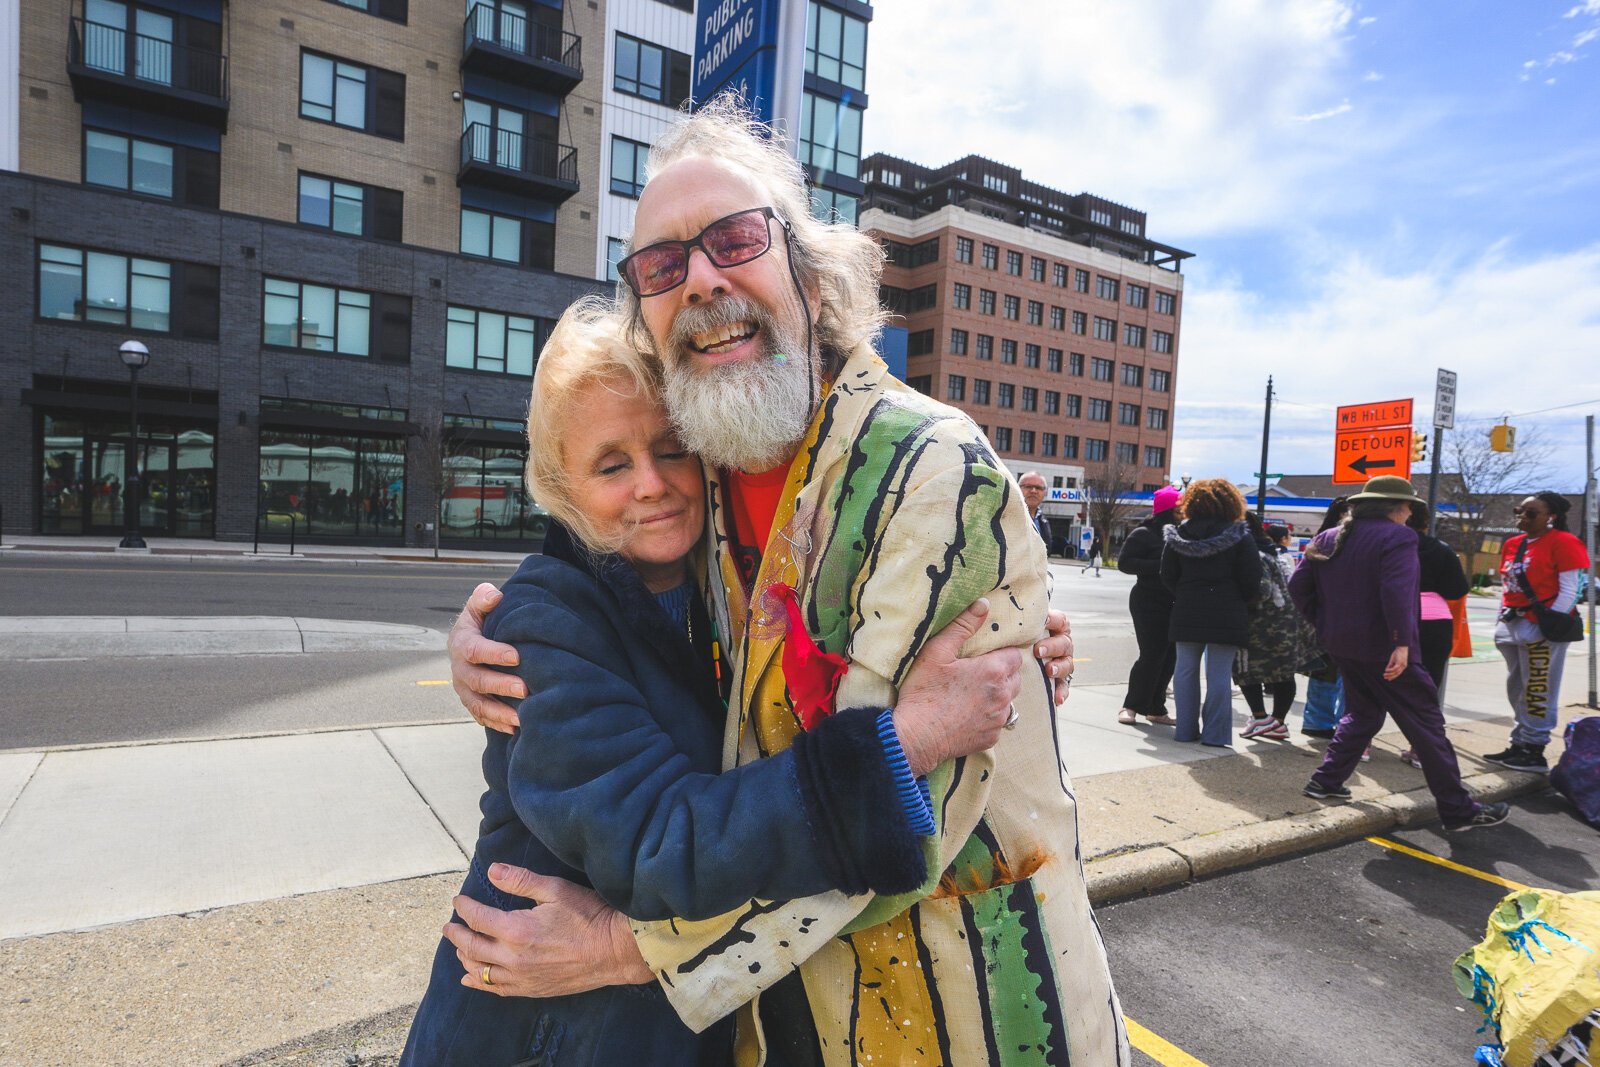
1372	439
1444	418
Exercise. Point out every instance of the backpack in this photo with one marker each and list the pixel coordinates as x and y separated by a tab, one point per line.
1576	775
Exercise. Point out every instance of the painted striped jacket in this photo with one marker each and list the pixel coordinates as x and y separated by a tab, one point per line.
895	517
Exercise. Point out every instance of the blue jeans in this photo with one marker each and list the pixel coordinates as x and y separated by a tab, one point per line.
1324	705
1211	723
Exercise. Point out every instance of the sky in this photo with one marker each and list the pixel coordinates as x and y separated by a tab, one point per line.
1371	191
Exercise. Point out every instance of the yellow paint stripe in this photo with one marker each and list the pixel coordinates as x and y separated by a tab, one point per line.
1451	864
434	681
1158	1048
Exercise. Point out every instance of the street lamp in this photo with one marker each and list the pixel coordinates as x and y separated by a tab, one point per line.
134	356
1186	480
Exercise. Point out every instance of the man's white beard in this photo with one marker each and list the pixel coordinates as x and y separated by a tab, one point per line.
751	415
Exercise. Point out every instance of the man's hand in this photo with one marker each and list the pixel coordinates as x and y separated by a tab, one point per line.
1055	652
475	686
571	943
1398	659
950	706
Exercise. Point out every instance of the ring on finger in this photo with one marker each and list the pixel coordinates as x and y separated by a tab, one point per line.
485	976
1012	717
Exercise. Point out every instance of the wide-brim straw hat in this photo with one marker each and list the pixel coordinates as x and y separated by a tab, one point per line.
1388	487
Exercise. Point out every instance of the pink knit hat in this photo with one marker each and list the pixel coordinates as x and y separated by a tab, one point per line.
1166	499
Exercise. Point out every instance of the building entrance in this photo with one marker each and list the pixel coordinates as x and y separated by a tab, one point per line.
85	472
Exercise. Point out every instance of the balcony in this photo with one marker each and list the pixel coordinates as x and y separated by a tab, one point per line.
514	163
110	63
507	46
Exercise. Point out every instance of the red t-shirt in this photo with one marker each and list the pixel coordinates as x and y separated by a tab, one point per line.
1547	556
753	501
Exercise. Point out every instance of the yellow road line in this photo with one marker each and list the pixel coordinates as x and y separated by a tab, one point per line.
1158	1048
434	681
1451	864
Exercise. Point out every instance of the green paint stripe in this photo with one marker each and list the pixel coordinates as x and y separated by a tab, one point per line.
1021	1032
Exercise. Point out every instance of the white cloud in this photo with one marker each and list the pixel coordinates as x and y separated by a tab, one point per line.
1372	76
1339	109
1367	20
1588	7
1585	37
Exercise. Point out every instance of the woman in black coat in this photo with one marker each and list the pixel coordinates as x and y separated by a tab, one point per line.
1212	567
1150	605
1443	580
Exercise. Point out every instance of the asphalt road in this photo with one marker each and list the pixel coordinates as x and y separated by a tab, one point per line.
1336	957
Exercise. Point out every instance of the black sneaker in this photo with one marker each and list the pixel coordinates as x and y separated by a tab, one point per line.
1487	815
1311	731
1521	758
1326	792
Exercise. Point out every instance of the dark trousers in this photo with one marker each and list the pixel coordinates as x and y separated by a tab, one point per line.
1414	702
1152	671
1283	693
1437	637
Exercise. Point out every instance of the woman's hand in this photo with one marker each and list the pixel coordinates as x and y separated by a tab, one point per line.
950	706
1398	659
476	687
1055	652
571	942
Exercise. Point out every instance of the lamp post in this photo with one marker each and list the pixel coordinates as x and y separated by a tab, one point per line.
134	356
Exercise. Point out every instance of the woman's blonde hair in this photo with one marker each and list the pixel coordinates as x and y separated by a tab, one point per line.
587	347
1212	498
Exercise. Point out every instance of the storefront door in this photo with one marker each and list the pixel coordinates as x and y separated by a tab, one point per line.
105	470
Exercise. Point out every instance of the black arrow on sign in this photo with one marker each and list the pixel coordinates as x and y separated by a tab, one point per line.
1363	465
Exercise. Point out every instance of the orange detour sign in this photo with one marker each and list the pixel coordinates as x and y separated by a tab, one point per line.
1362	454
1373	417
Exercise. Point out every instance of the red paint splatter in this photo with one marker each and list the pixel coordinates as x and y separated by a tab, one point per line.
811	674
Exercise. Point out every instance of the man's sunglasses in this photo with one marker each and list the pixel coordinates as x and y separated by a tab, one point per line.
728	242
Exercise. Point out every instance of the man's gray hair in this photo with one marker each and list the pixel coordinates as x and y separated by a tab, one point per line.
834	258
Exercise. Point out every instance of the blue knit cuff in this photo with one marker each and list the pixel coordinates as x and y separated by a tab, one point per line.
915	799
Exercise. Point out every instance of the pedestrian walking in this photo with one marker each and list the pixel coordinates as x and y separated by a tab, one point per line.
1279	643
1096	547
1442	580
1360	586
1150	605
1324	705
1540	573
1033	494
1212	567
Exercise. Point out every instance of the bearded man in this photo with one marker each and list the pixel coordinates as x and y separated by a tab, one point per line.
853	517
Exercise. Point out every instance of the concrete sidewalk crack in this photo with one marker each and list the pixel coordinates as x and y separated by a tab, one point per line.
420	796
6	811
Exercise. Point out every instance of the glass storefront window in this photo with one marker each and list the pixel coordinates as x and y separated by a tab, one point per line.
85	468
332	485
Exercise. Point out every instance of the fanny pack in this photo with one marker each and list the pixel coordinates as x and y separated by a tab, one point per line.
1560	627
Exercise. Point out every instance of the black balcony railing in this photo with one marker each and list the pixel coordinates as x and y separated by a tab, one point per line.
514	33
515	154
148	62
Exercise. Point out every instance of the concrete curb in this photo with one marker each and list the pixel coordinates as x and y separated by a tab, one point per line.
1162	866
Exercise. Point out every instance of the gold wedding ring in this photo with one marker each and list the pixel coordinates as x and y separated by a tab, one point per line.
485	976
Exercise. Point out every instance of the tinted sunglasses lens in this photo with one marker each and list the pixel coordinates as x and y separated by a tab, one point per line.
655	270
738	239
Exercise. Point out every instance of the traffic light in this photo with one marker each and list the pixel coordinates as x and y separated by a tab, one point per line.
1503	438
1419	446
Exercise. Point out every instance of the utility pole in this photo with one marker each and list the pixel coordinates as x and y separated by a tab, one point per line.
1266	437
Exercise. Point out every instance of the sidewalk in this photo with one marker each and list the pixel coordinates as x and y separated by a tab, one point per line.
277	899
192	549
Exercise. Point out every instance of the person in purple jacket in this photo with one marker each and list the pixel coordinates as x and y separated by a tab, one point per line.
1358	584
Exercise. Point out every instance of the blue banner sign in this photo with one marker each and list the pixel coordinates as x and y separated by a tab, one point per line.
735	47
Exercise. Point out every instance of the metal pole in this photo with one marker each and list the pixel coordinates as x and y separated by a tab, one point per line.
1433	482
130	469
1266	436
1589	535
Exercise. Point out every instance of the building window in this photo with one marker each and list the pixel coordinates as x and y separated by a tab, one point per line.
651	72
491	341
119	162
958	342
1014	263
1030	398
1155	418
1132	336
1138	295
1075	365
836	46
1069	446
963	250
1166	303
1127	414
1006	395
1025	442
830	135
1030	356
1105	288
1080	322
1074	406
1052	402
1058	275
322	318
830	205
1013	307
922	383
1047	444
962	297
528	242
76	285
991	257
980	390
352	95
997	183
1099	409
1100	216
1052	360
1002	438
1058	318
1036	268
955	388
920	343
1035	313
1095	449
1127	453
1160	341
1100	369
616	249
1080	280
1132	374
986	301
1160	381
341	484
985	347
349	207
1008	351
909	301
628	160
1105	329
1155	457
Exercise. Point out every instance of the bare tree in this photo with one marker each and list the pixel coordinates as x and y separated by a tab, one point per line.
1104	495
1483	483
431	451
